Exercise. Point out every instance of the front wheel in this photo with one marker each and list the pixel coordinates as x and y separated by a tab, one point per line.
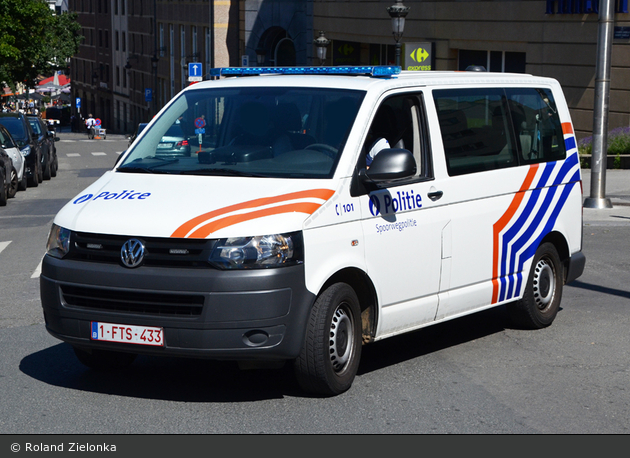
543	291
331	351
13	186
3	190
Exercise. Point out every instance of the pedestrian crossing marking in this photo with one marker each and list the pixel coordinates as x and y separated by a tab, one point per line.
3	245
99	154
38	270
73	155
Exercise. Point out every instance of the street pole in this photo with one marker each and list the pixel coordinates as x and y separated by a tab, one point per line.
601	105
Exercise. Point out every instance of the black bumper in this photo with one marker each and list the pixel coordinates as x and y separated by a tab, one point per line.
237	315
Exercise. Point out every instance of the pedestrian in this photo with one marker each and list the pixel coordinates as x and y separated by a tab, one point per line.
90	123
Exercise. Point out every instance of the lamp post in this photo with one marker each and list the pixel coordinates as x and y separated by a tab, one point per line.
154	65
322	43
398	12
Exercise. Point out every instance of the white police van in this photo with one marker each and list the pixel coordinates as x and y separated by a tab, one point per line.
245	224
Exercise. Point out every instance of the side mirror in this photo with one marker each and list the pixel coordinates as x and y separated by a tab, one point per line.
390	164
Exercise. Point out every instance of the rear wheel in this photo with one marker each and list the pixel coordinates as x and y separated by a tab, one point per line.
103	359
3	190
13	186
54	167
331	351
543	292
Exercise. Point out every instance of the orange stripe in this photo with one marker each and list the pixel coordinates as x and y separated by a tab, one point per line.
301	207
502	222
567	128
189	225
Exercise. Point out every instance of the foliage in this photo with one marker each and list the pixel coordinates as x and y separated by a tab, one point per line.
34	41
618	142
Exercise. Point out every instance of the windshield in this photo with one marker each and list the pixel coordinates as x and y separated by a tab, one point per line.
15	126
263	132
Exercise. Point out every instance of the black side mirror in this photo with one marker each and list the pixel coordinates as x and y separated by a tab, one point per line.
390	164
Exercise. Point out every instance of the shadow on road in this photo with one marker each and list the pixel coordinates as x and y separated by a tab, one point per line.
193	380
600	289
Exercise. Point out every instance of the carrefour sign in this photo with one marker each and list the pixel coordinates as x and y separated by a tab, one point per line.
417	56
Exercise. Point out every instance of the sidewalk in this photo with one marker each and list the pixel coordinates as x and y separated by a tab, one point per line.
618	191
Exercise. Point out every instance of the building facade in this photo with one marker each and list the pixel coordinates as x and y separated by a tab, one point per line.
136	53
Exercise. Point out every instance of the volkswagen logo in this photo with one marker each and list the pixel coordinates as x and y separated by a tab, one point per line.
132	253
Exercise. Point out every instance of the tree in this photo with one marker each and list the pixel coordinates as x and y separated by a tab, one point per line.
34	41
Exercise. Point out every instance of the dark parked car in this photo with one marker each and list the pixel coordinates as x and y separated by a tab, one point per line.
47	141
27	141
6	165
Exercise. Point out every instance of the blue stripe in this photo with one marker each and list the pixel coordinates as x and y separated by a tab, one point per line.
569	143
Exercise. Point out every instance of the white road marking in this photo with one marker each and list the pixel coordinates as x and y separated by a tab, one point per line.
38	270
3	245
73	155
99	154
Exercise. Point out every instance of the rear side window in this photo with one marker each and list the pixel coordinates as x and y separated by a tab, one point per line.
491	128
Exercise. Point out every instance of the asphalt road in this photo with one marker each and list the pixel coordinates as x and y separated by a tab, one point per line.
474	375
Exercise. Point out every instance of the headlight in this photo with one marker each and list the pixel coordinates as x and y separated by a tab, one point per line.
26	151
259	252
58	241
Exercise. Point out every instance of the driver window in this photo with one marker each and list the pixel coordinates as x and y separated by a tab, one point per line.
396	124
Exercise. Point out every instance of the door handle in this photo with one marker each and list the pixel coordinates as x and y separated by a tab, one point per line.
435	195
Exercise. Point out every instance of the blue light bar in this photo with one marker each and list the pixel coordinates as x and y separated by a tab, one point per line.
378	70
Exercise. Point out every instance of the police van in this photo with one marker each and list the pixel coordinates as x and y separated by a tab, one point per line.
254	221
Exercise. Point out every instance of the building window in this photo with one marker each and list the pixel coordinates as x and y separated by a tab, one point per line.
124	41
493	61
116	38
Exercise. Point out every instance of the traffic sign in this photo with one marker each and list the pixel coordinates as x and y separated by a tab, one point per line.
97	122
148	94
195	71
78	102
200	122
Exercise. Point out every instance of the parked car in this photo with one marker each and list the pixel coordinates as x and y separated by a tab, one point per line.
22	133
5	177
18	178
47	140
139	129
174	143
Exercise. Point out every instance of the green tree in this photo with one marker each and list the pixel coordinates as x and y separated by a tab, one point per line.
34	41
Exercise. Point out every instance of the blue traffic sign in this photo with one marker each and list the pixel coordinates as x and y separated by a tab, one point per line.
148	94
78	102
195	70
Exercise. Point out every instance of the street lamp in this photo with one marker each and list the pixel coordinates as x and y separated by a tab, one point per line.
321	42
398	12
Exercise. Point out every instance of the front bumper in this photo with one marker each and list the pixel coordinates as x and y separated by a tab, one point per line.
206	313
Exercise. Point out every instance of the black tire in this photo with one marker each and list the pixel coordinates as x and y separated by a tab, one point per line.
3	189
543	291
55	167
331	351
22	185
14	184
104	360
46	169
40	172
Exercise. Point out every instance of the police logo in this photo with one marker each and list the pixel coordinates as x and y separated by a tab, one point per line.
132	253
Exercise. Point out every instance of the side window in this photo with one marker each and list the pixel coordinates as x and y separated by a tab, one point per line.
536	124
476	130
399	123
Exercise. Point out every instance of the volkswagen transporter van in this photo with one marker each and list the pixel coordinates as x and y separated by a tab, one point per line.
271	240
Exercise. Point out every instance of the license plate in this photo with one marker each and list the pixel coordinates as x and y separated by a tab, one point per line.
165	145
126	333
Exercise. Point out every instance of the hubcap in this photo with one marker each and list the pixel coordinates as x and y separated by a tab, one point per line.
544	284
341	342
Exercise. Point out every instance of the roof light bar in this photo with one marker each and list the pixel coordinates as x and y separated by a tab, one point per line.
378	70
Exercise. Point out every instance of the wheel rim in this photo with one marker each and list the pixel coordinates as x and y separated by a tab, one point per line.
341	341
544	284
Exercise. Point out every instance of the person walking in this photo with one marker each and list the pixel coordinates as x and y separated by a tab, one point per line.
90	123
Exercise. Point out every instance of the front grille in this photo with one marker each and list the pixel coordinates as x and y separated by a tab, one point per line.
133	302
159	252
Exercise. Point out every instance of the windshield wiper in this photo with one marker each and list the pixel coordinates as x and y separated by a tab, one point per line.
128	169
147	168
